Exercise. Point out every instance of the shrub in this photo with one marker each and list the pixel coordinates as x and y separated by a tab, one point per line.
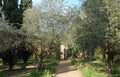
35	74
92	72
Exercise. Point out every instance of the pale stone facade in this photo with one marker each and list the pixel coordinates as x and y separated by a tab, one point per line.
63	47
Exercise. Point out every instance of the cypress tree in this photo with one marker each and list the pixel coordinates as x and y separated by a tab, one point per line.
0	8
10	8
12	12
0	2
25	4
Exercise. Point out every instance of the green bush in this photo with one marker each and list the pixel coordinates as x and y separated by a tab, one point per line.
90	69
45	73
35	74
48	69
98	54
77	62
92	72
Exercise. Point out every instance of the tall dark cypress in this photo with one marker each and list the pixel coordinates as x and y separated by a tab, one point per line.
10	8
12	12
25	4
0	8
0	3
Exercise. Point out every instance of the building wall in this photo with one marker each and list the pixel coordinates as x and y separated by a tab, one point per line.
63	47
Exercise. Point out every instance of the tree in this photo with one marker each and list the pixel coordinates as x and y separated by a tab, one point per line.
10	39
43	29
10	9
0	8
13	12
25	4
101	21
0	2
111	37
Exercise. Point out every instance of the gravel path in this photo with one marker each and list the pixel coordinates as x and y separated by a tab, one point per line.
66	69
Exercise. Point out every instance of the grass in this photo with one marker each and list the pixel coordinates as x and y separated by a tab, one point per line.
116	69
45	73
96	68
92	72
49	67
0	61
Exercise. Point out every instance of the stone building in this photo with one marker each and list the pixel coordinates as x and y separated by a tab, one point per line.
63	50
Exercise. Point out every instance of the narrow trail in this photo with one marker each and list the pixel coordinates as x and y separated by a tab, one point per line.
66	69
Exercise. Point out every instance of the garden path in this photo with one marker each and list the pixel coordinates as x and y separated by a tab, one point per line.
66	69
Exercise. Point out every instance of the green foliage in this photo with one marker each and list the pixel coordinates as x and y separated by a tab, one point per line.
45	73
90	69
96	68
35	74
92	28
92	72
98	54
43	30
48	69
11	11
116	69
9	36
25	4
50	61
0	61
75	62
97	28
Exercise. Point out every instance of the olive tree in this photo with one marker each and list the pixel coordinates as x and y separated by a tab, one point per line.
42	29
9	40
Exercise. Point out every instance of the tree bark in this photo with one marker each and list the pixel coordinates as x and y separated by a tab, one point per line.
40	63
40	58
108	60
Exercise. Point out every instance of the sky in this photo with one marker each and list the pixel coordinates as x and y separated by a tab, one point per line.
67	2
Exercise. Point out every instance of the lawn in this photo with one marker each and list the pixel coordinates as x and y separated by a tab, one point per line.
29	69
96	68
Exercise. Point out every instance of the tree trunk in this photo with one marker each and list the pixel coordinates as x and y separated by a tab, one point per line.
40	63
83	55
108	61
40	58
10	65
90	55
108	66
104	56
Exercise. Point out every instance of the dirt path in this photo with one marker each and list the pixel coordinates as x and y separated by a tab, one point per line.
66	69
